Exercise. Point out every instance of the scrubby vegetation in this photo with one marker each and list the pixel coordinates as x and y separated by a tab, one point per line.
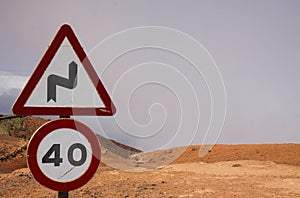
10	125
21	127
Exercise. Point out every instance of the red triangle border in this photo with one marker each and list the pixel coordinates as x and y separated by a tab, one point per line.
64	32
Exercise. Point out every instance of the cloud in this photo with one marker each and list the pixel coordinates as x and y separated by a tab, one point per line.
10	82
10	87
7	101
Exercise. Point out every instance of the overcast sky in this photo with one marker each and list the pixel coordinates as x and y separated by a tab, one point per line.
255	45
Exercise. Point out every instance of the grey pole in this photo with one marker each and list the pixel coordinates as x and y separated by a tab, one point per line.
63	194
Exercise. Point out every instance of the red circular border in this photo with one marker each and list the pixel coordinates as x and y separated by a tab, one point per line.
45	130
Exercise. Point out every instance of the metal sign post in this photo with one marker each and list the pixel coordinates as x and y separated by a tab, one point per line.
64	154
63	194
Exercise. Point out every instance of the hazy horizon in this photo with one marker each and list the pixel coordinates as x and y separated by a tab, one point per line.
254	44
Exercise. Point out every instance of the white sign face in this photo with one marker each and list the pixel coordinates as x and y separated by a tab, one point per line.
64	155
65	83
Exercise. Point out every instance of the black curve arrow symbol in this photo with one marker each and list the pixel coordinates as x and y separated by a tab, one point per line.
54	80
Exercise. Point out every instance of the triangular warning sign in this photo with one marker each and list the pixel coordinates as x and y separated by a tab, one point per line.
64	82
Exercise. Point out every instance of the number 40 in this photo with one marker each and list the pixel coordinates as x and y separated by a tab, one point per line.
56	160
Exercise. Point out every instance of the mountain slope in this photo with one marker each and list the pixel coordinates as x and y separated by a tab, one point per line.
15	133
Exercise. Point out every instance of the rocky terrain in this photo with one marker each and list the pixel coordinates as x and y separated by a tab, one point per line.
269	170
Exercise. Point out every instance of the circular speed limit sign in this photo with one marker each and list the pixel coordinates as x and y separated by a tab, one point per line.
63	154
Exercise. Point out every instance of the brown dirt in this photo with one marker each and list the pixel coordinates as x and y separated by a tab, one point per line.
13	147
188	177
279	153
269	170
29	126
12	153
219	179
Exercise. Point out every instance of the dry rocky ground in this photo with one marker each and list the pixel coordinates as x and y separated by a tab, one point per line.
271	170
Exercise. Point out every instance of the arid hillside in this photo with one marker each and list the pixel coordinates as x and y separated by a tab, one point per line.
269	170
16	132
